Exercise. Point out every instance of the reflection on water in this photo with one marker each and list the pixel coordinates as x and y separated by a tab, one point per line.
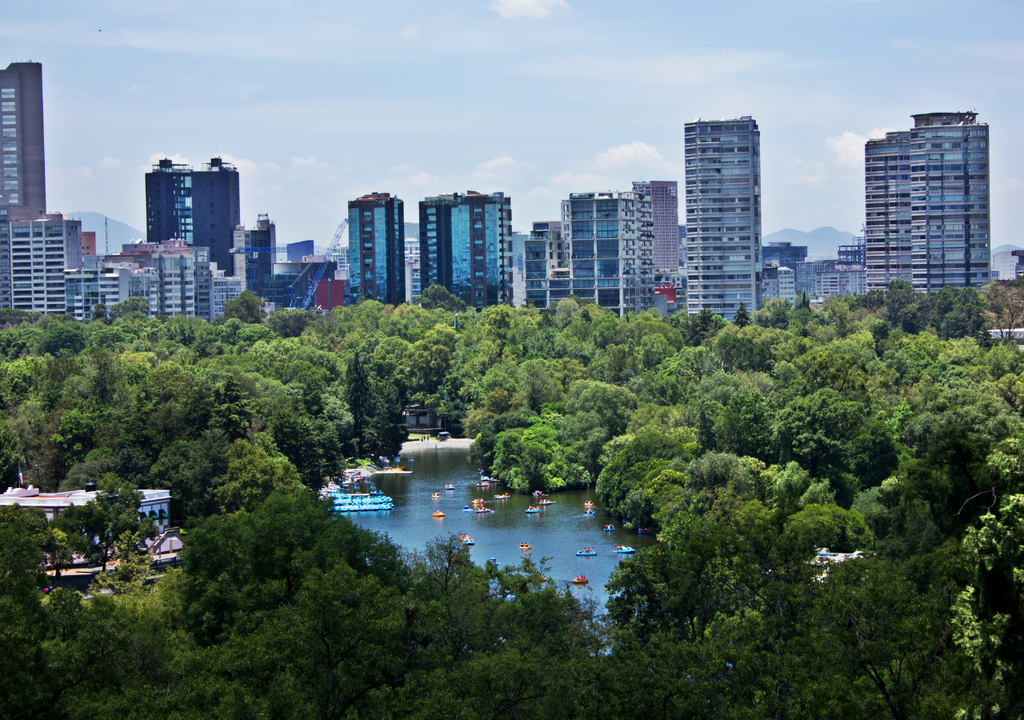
556	532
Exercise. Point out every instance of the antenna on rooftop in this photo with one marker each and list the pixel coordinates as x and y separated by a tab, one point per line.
106	237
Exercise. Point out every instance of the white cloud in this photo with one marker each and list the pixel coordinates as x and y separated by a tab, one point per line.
515	9
498	163
634	154
849	147
410	31
138	88
109	163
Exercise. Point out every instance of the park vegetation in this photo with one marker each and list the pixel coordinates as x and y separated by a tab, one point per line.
888	423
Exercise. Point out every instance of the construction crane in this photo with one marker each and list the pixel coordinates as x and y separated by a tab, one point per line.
318	276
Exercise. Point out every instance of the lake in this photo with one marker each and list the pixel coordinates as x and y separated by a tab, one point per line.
556	532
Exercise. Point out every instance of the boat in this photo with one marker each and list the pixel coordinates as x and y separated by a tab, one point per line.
484	483
538	493
436	495
532	509
545	501
580	580
466	539
643	531
586	551
588	503
467	509
449	486
609	528
443	436
392	471
502	496
524	546
588	512
437	514
625	549
482	509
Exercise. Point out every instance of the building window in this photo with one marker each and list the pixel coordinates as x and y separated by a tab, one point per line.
10	159
7	107
7	93
10	185
9	132
8	120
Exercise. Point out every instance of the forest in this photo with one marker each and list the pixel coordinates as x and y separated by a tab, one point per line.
888	423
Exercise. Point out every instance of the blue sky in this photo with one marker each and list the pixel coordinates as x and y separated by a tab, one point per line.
317	102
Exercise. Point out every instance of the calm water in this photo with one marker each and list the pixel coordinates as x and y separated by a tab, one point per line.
556	532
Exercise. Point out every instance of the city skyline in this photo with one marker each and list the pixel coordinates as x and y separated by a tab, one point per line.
277	91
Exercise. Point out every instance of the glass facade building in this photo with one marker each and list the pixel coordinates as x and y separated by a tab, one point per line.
723	215
665	213
33	258
200	207
466	246
926	194
23	188
604	253
376	249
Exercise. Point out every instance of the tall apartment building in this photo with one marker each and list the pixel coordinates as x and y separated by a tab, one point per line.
778	281
723	215
412	269
33	257
926	194
108	283
608	241
255	267
23	195
664	196
200	207
466	246
376	248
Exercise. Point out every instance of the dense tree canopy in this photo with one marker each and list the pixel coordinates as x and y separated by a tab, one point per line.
888	424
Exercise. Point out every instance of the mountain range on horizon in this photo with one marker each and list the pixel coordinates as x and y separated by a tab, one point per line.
822	243
118	233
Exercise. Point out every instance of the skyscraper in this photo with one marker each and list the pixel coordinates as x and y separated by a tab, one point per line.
466	246
256	267
33	257
926	194
723	215
665	211
376	248
23	195
609	239
200	207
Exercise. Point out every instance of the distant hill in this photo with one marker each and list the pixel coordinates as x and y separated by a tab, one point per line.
1005	248
117	232
822	243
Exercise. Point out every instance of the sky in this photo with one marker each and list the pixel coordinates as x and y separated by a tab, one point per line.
317	103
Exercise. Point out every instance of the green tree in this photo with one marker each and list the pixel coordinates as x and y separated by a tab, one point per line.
247	307
437	296
742	317
253	475
113	513
62	339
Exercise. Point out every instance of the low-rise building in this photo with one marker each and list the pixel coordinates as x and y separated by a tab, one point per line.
155	504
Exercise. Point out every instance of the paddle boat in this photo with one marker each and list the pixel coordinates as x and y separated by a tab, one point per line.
482	509
545	501
609	528
502	496
586	551
643	531
436	495
524	546
532	509
625	549
437	514
588	503
538	493
449	486
588	512
466	539
484	483
580	580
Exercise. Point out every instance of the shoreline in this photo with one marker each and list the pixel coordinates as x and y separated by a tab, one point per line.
412	446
